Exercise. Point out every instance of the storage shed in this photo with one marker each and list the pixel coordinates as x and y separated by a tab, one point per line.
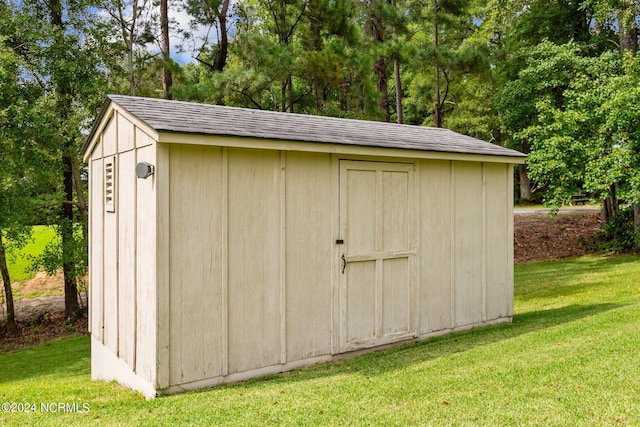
227	243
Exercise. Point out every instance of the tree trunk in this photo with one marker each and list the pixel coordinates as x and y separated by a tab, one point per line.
64	90
4	269
396	74
71	306
167	79
436	37
132	75
525	183
380	69
437	105
610	205
375	29
628	32
224	38
283	96
636	223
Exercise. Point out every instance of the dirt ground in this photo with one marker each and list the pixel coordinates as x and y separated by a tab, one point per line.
537	237
39	310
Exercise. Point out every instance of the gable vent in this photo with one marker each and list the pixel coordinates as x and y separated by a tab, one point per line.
109	184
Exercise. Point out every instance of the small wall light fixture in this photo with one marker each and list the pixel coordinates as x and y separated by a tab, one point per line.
144	170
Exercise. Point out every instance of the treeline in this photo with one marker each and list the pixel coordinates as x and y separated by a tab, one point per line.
557	79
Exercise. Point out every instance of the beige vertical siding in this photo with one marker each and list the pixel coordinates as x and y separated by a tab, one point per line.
96	247
254	259
309	241
499	251
110	137
197	252
146	321
110	246
468	242
126	213
122	275
142	139
196	245
466	249
436	227
110	262
126	134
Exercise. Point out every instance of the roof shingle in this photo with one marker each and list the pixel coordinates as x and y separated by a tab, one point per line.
188	117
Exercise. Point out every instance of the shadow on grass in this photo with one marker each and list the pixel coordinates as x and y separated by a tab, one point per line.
437	347
447	345
64	357
71	357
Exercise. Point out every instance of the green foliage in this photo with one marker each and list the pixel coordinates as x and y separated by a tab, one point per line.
55	73
290	56
461	61
579	117
20	260
51	257
619	233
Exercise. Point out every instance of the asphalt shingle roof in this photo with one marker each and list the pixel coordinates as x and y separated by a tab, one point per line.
188	117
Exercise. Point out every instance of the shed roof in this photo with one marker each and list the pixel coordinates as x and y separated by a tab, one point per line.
187	117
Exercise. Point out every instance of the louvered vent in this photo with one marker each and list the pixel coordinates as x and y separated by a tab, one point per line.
109	184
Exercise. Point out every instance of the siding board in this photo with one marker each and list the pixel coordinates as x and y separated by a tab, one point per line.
142	139
254	250
146	324
435	246
96	235
308	255
469	245
499	288
195	215
110	284
126	134
110	137
126	256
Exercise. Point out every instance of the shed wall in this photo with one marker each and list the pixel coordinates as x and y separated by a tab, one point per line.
252	248
308	254
263	295
196	271
466	253
122	267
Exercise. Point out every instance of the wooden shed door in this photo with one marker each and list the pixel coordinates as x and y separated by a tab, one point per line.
377	290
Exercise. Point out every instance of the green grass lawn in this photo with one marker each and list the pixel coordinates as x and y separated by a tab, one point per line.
19	262
571	357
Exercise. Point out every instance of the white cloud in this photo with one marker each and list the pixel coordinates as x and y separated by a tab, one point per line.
182	22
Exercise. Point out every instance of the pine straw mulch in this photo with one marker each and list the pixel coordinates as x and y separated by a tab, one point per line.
540	237
537	237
